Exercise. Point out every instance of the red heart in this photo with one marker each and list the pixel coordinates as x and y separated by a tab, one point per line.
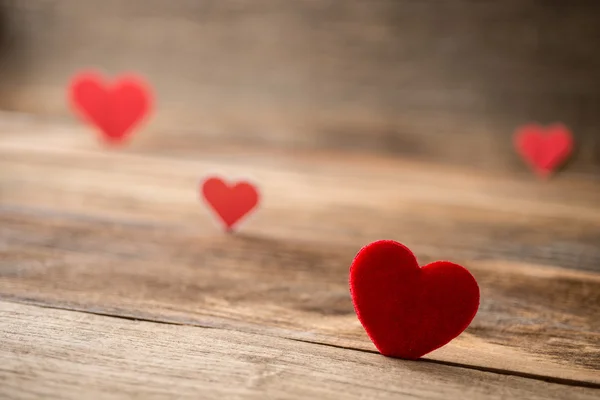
230	203
544	149
409	311
115	109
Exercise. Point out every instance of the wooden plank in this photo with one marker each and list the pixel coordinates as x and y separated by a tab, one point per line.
124	234
556	223
439	81
49	353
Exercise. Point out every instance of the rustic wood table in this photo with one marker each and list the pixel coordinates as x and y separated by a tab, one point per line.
116	283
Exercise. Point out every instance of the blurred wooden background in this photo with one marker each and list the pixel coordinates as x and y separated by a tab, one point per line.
444	81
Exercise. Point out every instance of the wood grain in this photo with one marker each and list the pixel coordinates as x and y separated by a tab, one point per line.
545	319
320	196
63	354
124	234
443	81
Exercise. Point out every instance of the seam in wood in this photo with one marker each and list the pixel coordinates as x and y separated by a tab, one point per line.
544	378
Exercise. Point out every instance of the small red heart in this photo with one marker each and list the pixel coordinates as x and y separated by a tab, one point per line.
406	310
544	149
230	202
115	109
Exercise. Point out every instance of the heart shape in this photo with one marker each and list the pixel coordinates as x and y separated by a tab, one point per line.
114	109
409	311
544	149
230	202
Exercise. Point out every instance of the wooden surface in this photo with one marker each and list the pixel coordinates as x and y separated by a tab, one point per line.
430	79
92	239
46	352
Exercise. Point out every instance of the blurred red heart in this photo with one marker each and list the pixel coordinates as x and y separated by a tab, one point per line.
544	149
230	202
409	311
115	109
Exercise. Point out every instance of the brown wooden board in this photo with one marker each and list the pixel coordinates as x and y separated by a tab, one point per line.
63	354
124	233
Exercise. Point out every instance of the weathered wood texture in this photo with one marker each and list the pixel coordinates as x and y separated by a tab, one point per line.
60	354
123	233
437	80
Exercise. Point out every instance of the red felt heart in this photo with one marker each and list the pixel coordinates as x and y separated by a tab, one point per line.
230	202
406	310
544	149
115	109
